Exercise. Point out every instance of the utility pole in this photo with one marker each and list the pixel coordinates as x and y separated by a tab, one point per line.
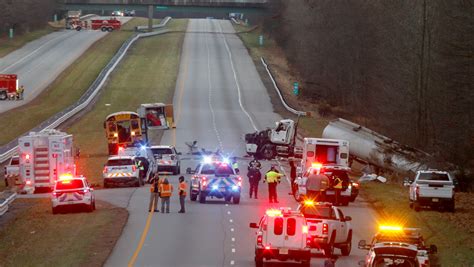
150	18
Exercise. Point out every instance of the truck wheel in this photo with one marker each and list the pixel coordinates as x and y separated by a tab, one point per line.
268	152
110	29
3	95
78	29
104	29
346	248
90	208
137	183
236	199
202	197
329	248
416	206
258	261
228	198
193	197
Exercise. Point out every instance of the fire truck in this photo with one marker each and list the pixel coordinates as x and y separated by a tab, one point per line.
44	156
105	25
8	86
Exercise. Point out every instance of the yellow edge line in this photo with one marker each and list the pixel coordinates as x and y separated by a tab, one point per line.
150	215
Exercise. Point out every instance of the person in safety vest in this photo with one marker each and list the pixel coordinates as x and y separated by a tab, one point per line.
166	189
182	193
19	92
154	190
273	178
235	165
141	169
316	185
337	185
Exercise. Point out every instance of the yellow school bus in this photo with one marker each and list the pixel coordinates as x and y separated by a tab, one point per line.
123	129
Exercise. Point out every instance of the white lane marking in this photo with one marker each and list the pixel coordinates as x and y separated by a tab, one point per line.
232	262
231	229
284	172
209	80
34	52
233	250
227	205
228	212
235	78
233	239
230	220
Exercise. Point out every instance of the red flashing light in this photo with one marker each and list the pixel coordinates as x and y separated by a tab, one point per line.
267	247
120	148
309	241
305	229
316	165
325	228
259	240
27	156
28	182
134	168
239	178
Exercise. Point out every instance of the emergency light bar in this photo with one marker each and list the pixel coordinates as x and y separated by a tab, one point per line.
65	177
316	165
390	228
274	213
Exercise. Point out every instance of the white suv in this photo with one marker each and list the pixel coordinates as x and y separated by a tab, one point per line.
282	235
72	191
121	170
167	159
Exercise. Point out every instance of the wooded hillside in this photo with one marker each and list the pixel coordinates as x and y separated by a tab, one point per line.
404	68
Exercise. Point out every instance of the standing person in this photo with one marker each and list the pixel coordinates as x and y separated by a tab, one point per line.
254	164
235	165
182	193
254	176
154	193
293	176
273	177
316	185
166	189
337	188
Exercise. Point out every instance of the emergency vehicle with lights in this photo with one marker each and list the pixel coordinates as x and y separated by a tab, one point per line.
167	158
329	195
44	156
393	234
143	157
122	170
216	179
391	255
328	227
72	191
8	86
432	188
282	234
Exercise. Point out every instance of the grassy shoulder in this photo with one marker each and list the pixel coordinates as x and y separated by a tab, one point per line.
276	59
148	74
8	45
68	87
453	233
32	236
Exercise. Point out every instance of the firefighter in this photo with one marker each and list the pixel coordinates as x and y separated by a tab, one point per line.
182	193
254	176
19	92
337	182
166	189
273	177
235	165
154	190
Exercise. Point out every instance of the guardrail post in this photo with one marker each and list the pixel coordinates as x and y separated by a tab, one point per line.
10	33
150	18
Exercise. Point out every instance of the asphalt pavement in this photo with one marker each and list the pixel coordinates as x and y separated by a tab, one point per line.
219	97
39	62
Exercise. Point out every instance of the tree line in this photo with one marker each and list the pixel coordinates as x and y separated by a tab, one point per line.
403	68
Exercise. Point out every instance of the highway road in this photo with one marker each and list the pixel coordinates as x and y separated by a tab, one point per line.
219	97
39	62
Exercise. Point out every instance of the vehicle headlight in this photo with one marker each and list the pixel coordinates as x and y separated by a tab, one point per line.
215	187
235	188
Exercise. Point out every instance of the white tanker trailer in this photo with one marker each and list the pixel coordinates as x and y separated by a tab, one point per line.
378	150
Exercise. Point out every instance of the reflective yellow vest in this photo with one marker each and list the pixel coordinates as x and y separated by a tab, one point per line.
273	176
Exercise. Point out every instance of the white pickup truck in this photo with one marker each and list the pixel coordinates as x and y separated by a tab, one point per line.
12	169
328	227
431	188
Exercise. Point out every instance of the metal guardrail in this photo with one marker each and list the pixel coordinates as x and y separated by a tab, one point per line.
10	149
155	26
290	109
6	203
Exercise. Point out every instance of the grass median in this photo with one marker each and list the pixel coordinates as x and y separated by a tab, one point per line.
68	86
148	74
452	233
30	235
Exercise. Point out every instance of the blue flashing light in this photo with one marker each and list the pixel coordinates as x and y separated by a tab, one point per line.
215	187
235	188
143	147
226	160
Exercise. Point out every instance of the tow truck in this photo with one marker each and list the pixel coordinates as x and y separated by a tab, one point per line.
388	235
215	178
328	227
283	235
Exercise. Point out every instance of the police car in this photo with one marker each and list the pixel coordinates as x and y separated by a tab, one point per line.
282	235
392	234
72	191
392	254
215	178
121	170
